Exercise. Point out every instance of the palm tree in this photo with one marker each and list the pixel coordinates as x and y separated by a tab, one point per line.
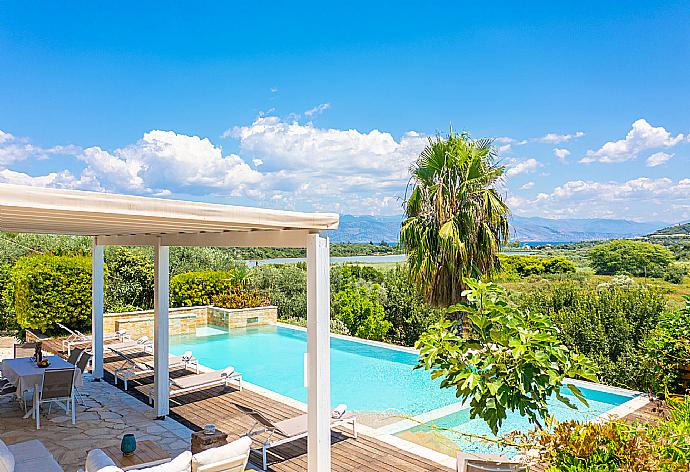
455	218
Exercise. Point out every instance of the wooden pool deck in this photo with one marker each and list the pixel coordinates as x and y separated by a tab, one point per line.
215	405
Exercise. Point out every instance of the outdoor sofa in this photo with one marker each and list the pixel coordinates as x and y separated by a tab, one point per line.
28	456
231	457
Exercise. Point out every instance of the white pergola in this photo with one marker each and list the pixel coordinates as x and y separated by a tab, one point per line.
123	220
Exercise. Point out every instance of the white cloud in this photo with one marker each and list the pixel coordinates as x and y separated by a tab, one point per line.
642	199
555	138
4	137
658	158
522	167
63	179
508	140
13	149
163	161
527	186
317	110
350	170
561	153
504	148
641	137
296	147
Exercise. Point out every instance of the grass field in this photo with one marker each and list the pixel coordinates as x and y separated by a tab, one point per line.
674	292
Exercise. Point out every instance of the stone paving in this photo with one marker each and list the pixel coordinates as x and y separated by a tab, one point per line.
106	415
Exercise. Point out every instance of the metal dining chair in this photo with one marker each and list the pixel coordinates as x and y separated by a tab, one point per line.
74	355
57	387
82	364
24	350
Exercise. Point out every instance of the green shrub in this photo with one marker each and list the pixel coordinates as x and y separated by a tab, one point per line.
404	307
8	318
637	258
675	274
200	288
238	298
285	286
198	259
123	308
667	348
49	289
662	446
130	281
361	272
526	265
608	324
357	307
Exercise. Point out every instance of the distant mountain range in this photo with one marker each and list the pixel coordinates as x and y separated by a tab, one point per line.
675	230
575	229
364	229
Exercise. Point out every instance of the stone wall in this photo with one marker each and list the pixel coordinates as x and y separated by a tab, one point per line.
240	318
185	320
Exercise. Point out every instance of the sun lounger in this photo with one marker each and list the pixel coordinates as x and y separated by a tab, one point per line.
131	368
291	429
478	462
142	344
77	338
189	383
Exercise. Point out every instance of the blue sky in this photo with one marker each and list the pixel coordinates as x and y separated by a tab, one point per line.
314	107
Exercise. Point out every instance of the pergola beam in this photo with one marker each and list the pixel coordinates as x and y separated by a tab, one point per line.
273	238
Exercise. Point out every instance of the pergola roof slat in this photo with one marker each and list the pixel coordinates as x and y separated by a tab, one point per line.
59	211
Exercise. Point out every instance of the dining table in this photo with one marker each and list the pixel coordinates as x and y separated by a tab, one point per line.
26	375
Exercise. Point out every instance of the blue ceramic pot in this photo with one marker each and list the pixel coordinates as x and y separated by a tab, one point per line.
129	444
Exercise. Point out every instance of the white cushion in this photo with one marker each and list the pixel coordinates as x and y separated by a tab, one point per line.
31	456
182	463
44	464
239	447
98	461
6	458
28	450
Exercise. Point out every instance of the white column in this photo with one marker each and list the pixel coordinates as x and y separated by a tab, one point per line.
318	354
97	289
161	290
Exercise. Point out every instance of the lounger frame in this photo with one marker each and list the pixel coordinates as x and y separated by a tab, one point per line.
224	381
269	427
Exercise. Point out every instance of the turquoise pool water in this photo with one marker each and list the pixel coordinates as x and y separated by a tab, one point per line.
599	402
367	378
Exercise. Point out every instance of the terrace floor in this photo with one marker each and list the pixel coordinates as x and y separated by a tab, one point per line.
106	415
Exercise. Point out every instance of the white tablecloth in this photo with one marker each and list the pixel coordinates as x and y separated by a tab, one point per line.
25	374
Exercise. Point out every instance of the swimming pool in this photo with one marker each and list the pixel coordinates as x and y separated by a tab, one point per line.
369	378
366	377
600	402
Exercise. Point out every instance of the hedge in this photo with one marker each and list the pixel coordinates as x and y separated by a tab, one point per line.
51	289
218	288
